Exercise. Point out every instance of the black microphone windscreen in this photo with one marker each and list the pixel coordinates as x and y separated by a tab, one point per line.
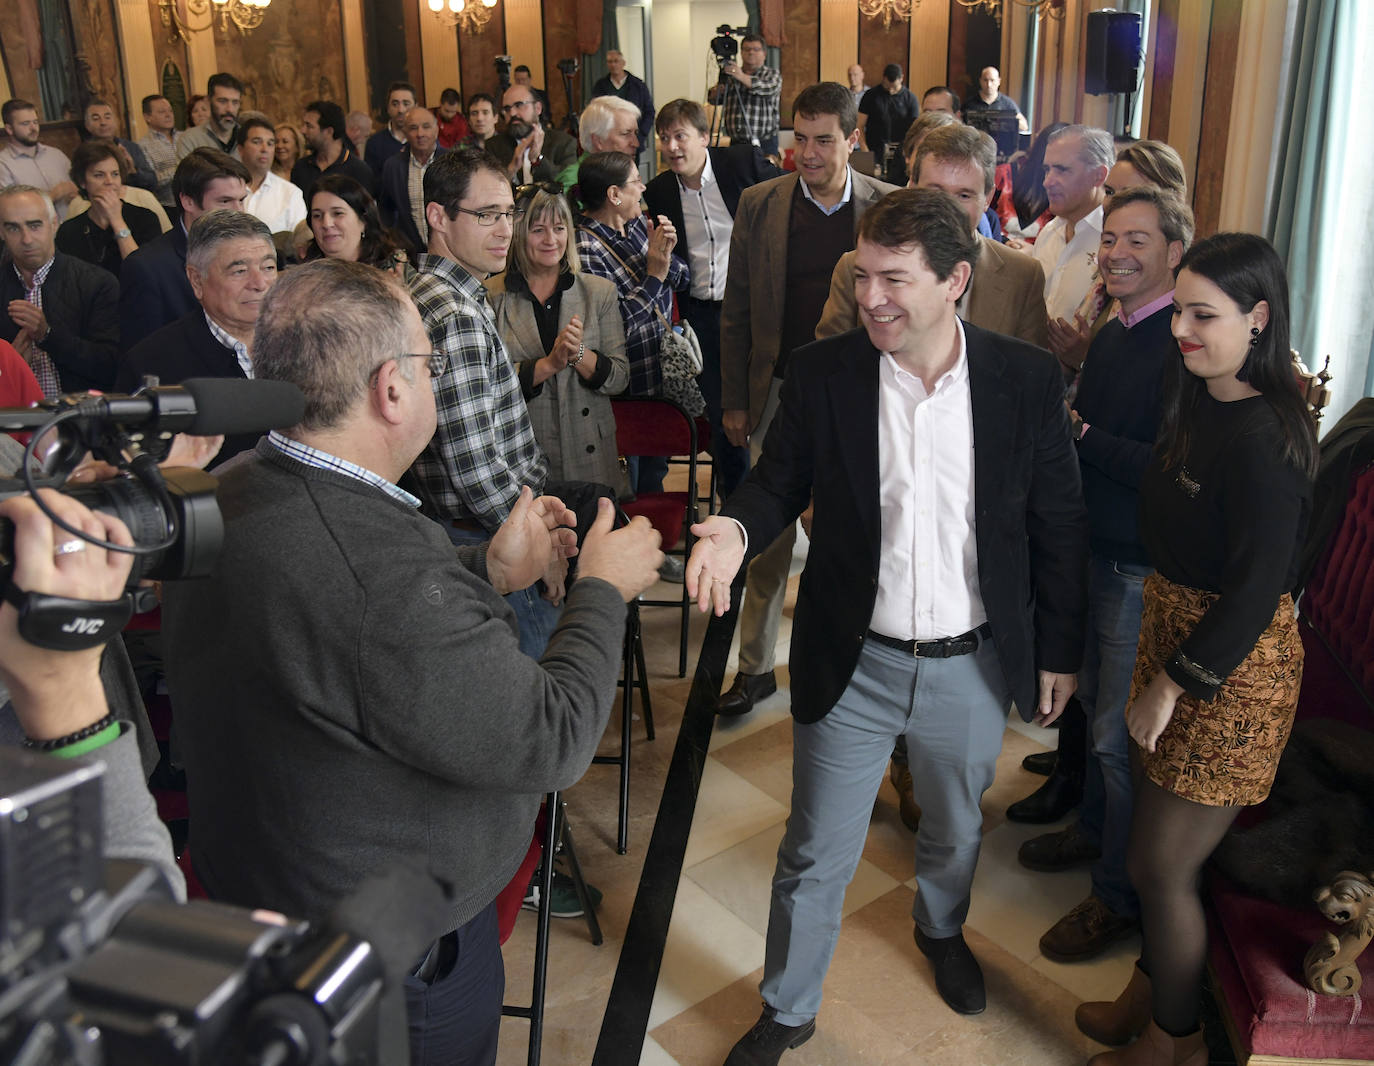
234	405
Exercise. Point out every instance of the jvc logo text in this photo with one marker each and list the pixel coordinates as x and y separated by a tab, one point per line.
84	625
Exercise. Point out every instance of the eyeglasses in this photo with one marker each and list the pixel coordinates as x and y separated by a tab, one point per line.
508	108
438	361
488	217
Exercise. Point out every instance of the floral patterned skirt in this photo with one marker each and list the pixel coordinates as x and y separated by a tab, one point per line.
1222	752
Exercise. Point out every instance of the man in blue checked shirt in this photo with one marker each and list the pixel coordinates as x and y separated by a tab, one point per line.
483	450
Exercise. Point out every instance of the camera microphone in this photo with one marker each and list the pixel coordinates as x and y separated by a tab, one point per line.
202	406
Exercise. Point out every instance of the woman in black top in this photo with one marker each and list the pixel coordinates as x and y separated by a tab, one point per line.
1223	507
109	231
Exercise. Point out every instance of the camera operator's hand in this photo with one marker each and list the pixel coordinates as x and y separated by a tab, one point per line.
58	692
734	70
537	531
628	557
186	451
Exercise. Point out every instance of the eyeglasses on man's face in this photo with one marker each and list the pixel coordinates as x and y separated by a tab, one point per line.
486	216
508	108
436	361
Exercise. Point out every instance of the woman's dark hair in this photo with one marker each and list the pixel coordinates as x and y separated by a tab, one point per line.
598	172
379	245
1246	268
88	154
1028	195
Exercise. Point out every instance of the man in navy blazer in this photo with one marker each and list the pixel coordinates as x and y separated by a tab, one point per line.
232	263
422	148
707	179
946	578
153	289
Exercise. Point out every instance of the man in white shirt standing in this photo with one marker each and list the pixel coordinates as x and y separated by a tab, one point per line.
270	197
931	448
1077	159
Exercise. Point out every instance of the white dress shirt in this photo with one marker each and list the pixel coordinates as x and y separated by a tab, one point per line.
708	226
1069	266
278	203
928	566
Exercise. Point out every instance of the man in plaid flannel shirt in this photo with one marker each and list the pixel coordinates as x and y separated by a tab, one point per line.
483	450
750	96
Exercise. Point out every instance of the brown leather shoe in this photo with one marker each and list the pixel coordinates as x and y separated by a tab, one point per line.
1085	932
747	690
1061	850
900	775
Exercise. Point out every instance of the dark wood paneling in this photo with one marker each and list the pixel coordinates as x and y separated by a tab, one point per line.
1217	95
1161	86
295	56
560	42
477	53
801	56
878	47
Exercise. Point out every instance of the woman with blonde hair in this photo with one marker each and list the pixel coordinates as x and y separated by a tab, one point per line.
290	146
564	333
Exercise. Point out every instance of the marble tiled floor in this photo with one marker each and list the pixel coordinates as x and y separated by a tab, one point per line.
880	1000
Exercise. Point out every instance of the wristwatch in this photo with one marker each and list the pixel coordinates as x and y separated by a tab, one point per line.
120	234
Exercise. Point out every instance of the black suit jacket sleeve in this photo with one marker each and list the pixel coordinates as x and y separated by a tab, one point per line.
84	321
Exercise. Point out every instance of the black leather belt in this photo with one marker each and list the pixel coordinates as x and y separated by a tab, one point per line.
942	648
703	303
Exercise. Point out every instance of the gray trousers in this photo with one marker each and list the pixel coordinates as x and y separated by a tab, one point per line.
765	583
953	714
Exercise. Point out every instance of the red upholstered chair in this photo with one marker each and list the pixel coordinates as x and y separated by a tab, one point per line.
660	427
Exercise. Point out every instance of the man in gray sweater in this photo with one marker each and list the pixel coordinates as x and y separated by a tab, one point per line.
348	686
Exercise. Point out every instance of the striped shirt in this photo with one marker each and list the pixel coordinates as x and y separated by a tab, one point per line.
44	369
235	345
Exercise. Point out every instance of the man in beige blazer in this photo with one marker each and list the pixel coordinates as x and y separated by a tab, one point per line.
1007	293
789	233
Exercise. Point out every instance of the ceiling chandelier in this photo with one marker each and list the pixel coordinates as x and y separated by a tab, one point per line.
887	10
470	16
1043	8
180	17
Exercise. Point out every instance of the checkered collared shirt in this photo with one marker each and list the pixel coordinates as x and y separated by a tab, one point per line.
304	453
753	112
415	189
235	345
646	304
162	154
44	369
483	449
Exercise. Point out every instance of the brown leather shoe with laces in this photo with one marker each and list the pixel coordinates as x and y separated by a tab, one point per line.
1086	931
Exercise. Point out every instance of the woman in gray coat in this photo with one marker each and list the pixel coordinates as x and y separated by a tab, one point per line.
564	333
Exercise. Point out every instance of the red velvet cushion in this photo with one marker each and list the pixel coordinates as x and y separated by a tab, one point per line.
1339	598
1256	949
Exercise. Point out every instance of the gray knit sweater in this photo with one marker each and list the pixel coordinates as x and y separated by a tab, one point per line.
349	693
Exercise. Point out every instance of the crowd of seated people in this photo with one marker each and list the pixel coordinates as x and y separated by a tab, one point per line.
459	294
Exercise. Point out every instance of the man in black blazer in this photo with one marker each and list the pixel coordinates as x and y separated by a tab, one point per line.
232	263
153	286
946	578
422	148
710	181
58	311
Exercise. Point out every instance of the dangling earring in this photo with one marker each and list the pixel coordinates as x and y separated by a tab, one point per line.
1254	335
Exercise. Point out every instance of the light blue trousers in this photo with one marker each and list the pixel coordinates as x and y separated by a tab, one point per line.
953	713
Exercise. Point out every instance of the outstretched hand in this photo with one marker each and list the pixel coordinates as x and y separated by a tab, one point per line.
715	561
537	531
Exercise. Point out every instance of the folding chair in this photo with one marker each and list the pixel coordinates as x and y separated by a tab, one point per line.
556	834
659	427
633	672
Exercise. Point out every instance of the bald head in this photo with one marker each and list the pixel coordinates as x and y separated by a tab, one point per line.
421	131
